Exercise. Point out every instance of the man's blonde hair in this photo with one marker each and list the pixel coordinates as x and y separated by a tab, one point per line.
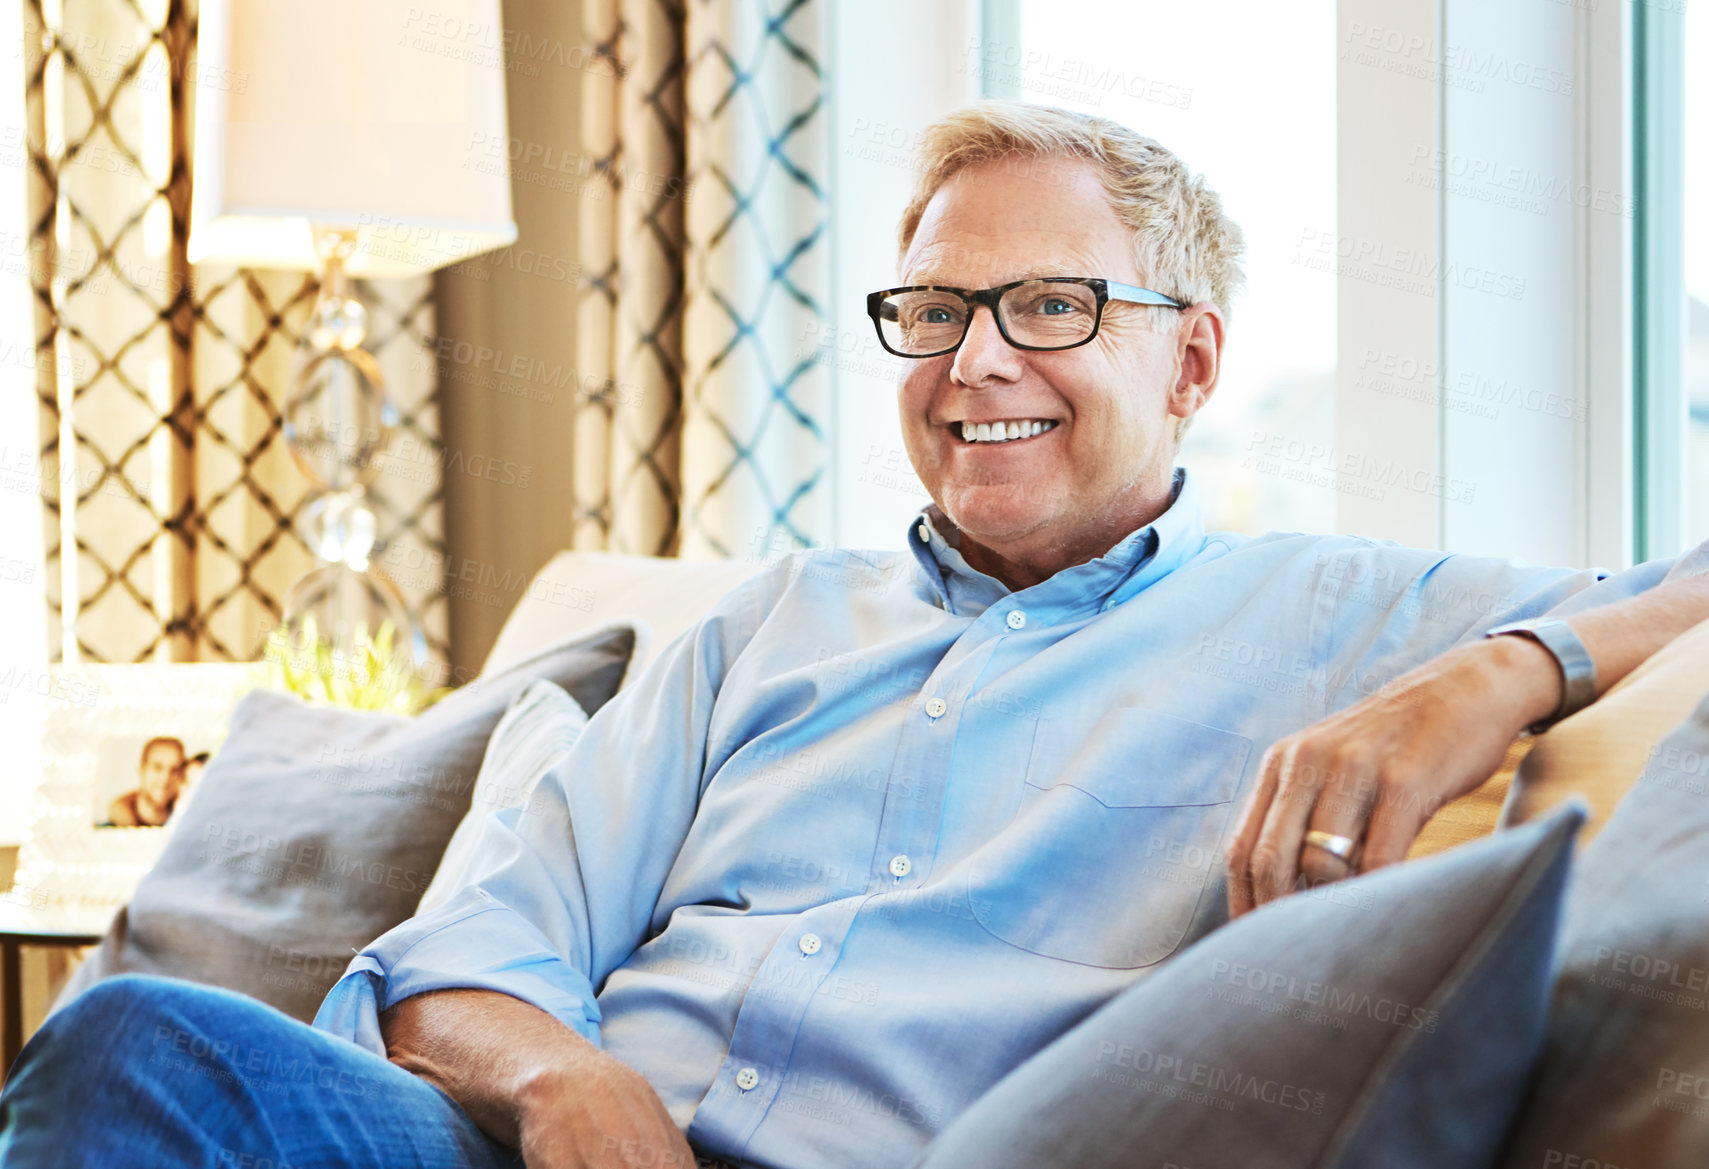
1186	247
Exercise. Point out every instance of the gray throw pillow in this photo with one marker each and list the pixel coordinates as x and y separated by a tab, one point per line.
317	829
1387	1021
1623	1081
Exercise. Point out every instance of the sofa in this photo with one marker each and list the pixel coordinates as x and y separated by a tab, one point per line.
1594	937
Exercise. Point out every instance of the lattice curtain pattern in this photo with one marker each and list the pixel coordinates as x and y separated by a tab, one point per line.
707	269
168	492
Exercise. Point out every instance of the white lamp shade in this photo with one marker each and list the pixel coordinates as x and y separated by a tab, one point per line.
375	116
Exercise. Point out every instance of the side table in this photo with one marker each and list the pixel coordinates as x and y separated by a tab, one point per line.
26	925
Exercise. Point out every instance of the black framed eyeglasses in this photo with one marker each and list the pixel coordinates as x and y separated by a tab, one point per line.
1048	312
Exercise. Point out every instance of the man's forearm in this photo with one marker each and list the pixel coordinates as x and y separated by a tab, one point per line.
1621	636
489	1052
532	1083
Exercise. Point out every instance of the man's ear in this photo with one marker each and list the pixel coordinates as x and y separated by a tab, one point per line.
1198	339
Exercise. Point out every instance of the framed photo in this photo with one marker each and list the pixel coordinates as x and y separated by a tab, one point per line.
140	782
123	748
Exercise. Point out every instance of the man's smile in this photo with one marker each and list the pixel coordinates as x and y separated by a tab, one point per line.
1001	430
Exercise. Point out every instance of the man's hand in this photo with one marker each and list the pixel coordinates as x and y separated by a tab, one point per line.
1378	770
532	1083
600	1113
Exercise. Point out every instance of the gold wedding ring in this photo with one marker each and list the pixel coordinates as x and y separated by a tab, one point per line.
1339	847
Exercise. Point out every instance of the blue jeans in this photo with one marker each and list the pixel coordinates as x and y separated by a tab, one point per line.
144	1071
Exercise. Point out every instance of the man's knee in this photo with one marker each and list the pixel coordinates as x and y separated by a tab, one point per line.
124	1011
120	997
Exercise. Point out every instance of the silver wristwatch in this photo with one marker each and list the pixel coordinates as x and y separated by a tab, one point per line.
1578	672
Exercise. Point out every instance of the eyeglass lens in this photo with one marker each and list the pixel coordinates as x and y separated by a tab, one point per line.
1042	315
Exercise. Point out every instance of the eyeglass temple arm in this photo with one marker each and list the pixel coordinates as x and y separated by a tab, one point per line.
1133	294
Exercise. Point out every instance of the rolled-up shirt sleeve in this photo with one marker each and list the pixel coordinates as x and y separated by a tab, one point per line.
1396	608
561	890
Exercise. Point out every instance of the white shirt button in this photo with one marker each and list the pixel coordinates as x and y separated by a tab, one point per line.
935	707
925	534
747	1078
1017	619
809	943
900	864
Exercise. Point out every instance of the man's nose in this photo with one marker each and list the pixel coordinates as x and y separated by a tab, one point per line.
984	354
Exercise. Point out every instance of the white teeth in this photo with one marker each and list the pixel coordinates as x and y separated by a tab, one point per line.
1003	431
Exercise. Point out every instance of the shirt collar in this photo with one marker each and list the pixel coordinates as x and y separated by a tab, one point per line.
1140	559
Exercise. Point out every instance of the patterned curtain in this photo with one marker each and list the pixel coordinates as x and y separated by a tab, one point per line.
707	268
168	493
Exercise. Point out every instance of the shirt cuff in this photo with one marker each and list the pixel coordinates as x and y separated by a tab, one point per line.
473	941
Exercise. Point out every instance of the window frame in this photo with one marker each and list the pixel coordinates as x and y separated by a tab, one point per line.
1659	408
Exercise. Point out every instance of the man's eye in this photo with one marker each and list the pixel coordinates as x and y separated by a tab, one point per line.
935	316
1055	306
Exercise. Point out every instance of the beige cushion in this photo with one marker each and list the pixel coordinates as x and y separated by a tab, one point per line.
580	591
1598	753
1474	814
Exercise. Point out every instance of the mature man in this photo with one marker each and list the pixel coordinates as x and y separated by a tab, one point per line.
884	825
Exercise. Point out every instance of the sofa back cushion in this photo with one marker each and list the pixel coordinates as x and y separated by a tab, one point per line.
579	591
1624	1074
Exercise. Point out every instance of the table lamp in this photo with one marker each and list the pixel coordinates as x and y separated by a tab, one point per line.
334	137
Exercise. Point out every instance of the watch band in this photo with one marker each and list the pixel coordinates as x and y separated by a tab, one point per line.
1578	671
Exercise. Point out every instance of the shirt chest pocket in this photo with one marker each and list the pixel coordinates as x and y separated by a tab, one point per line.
1117	837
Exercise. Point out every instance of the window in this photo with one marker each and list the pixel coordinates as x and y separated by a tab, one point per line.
1251	108
1671	277
1696	485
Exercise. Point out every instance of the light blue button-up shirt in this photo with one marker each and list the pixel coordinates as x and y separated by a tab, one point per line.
879	828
